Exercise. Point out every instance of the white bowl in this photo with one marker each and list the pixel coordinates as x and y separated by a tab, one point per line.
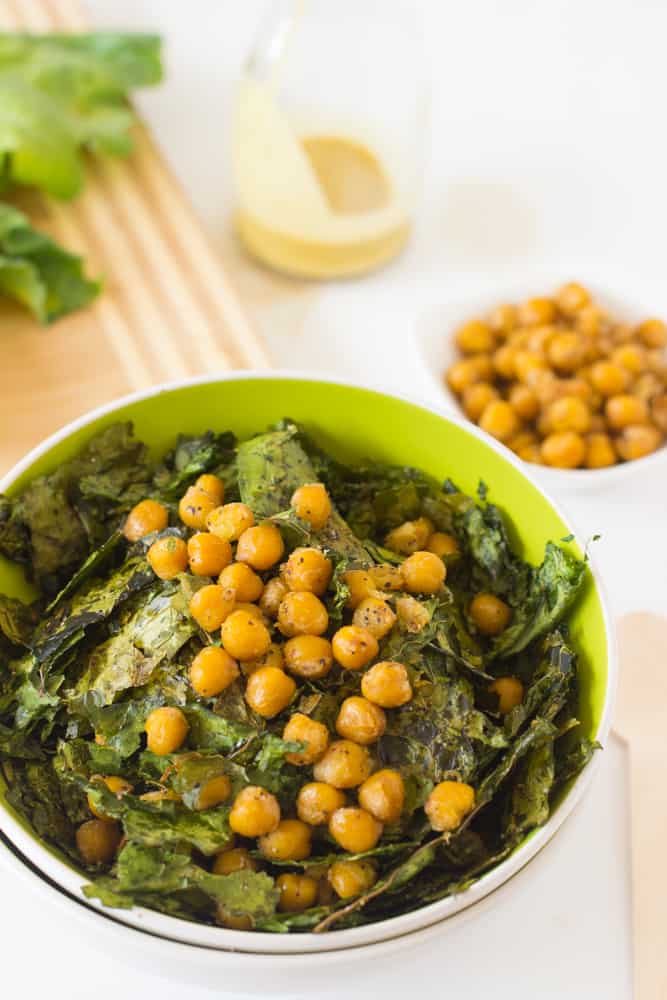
434	335
254	944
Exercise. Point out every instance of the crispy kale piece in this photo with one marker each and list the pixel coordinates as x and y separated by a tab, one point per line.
61	517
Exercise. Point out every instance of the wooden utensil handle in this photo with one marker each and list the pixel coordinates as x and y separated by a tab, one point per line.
641	718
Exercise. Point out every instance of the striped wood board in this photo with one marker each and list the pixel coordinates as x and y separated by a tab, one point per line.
167	310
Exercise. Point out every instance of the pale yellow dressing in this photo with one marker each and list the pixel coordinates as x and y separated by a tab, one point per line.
318	206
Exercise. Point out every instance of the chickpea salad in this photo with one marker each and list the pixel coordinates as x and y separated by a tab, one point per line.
265	689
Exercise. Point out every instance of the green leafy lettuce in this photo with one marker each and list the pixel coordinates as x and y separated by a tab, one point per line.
61	94
36	271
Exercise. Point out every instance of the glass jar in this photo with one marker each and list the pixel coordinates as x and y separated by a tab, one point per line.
329	127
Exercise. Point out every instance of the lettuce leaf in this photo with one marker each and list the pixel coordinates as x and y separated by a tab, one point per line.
35	271
62	93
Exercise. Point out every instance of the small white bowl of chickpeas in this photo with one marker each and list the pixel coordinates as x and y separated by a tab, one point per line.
566	376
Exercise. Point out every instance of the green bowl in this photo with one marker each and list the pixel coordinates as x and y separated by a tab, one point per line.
354	423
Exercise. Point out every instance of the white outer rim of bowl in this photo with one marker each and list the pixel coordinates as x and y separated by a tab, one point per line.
395	927
583	480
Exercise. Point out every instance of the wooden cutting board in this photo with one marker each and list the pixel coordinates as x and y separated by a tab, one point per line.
167	310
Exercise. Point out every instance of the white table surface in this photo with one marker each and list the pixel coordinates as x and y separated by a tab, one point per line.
547	153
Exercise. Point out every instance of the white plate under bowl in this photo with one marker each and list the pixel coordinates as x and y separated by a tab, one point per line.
434	335
322	946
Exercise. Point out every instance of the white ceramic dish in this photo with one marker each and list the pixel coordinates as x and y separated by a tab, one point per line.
436	349
254	944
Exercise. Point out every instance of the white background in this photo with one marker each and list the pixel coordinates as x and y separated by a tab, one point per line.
547	153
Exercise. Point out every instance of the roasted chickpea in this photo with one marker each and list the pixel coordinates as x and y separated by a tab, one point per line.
527	364
441	544
234	859
272	595
410	536
591	320
360	584
385	577
208	555
638	440
509	691
230	521
569	414
504	361
212	485
233	921
463	373
531	453
252	609
166	729
353	647
503	319
475	337
243	581
499	420
290	841
302	613
571	298
168	557
312	504
297	892
351	878
273	657
344	765
214	792
412	614
659	412
269	690
317	801
567	351
260	546
145	518
308	569
653	332
600	451
521	440
387	684
448	805
609	379
375	615
565	450
302	729
424	573
117	786
622	411
195	506
524	402
383	795
308	656
212	670
210	605
537	311
476	397
622	333
648	386
360	720
255	812
632	357
539	338
244	636
489	613
97	841
355	830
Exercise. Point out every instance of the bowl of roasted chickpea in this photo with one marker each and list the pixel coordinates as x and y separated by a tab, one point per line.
281	690
573	381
